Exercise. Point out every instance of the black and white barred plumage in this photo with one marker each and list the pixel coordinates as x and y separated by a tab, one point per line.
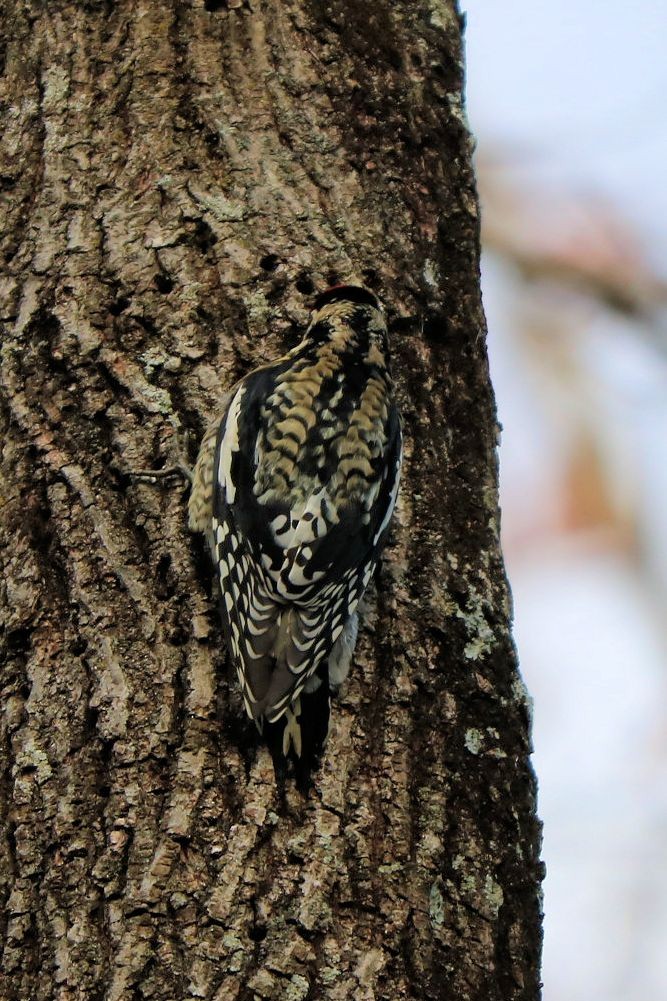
294	487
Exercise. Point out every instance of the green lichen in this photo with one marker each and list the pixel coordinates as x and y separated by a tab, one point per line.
482	639
431	273
158	400
33	757
224	209
473	740
436	905
494	895
258	310
153	358
297	989
237	952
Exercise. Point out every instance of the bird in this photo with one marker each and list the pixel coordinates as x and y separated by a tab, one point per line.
294	489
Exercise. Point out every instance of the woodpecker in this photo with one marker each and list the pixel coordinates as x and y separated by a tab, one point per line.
294	488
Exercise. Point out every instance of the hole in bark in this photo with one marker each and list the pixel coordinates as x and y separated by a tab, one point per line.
257	933
77	852
460	597
212	139
78	646
435	327
416	59
304	284
401	324
292	336
18	640
164	588
269	262
204	238
163	283
371	278
150	328
120	304
275	293
106	750
178	636
212	6
307	934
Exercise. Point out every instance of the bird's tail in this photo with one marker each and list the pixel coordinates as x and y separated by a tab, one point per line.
299	736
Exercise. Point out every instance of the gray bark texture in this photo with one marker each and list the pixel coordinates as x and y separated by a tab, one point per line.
177	179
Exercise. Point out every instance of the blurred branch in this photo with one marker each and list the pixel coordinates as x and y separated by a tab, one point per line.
585	249
579	244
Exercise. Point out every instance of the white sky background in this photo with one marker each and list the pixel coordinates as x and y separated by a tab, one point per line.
580	91
576	93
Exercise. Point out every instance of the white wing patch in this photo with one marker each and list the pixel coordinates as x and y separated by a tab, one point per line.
394	494
230	445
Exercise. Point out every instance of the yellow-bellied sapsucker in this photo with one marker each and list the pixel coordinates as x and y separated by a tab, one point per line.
294	487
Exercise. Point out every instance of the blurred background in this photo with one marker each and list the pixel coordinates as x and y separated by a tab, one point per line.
567	102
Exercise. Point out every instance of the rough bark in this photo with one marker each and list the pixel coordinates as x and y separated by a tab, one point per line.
176	180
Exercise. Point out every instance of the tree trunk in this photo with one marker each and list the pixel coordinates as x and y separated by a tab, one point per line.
177	180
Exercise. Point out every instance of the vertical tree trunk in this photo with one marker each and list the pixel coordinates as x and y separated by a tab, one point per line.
177	179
